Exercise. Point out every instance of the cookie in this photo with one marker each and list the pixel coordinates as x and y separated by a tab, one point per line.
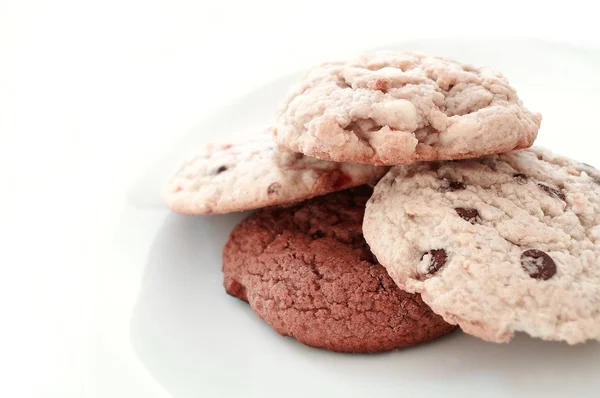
500	244
257	173
308	272
393	108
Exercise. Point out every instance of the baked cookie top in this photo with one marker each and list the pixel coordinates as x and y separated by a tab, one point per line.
391	108
240	176
308	272
500	244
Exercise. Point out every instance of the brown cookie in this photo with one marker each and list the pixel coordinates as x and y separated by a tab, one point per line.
308	272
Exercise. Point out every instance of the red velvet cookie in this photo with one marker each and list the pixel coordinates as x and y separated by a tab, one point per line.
308	272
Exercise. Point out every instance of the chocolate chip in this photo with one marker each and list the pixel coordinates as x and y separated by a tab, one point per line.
538	264
438	259
273	188
221	169
521	178
454	186
554	192
318	235
468	214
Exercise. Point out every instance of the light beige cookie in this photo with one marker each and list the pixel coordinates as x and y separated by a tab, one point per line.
500	244
391	108
256	173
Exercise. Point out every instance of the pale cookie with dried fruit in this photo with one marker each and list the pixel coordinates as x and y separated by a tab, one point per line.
391	108
497	245
256	173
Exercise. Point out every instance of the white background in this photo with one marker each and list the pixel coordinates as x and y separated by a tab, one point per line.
91	92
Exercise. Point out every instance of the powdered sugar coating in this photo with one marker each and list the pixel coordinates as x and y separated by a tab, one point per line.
247	175
529	261
391	108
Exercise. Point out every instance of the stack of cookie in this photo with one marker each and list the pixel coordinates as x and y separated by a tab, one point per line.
468	228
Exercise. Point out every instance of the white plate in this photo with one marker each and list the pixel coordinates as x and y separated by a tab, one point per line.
171	316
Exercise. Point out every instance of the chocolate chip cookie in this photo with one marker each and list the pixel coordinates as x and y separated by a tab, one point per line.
391	108
500	244
308	272
256	173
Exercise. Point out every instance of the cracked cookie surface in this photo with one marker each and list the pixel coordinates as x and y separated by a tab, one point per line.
500	244
308	272
257	173
392	108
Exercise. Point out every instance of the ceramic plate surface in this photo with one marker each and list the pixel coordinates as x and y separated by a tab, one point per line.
172	320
